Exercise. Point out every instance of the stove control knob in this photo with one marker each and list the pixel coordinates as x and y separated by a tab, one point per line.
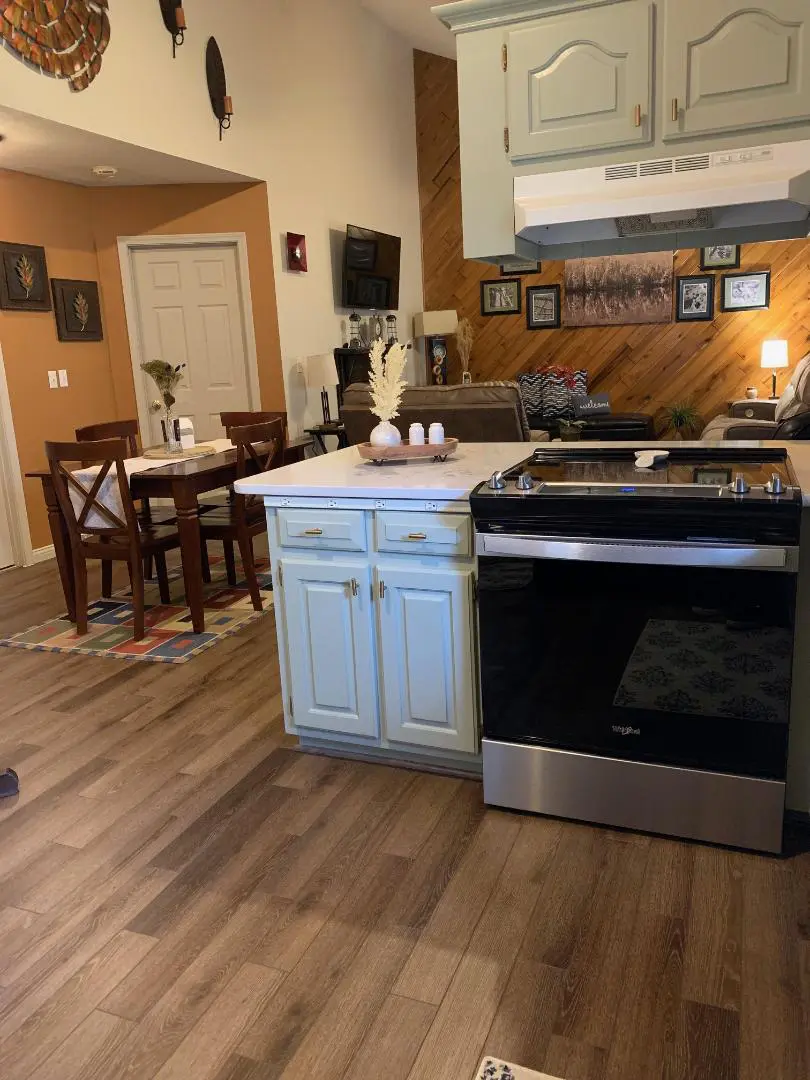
496	482
740	485
524	482
775	485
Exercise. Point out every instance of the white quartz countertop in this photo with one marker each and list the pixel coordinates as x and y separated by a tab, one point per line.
345	474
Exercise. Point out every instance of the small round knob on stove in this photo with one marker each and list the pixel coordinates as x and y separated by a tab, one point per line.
740	485
524	482
496	482
775	485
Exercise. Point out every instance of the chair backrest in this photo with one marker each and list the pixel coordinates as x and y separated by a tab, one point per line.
114	429
231	420
86	514
262	444
480	412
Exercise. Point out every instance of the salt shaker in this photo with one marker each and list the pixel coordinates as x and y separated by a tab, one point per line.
416	435
436	433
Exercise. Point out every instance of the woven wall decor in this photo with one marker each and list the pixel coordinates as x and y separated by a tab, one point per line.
62	38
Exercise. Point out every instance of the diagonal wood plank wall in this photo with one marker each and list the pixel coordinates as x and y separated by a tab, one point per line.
643	368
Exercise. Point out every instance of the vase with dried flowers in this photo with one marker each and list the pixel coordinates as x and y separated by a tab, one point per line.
387	385
166	378
465	335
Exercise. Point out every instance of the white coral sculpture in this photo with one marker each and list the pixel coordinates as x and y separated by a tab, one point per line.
385	378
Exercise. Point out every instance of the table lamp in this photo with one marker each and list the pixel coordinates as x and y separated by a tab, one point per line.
435	327
321	373
774	355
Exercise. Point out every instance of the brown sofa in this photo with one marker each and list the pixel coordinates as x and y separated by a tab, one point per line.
480	412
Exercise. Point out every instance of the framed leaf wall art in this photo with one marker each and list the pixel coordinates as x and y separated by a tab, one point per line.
23	278
78	310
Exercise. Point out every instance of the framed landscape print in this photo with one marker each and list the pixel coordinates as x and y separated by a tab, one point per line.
23	278
78	310
746	292
543	307
720	257
619	290
695	298
500	297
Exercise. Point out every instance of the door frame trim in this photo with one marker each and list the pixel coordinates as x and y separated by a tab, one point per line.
128	245
11	481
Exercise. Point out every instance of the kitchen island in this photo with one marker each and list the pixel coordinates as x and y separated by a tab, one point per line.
376	575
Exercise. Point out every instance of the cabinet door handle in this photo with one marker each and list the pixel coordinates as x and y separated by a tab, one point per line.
416	536
382	589
637	116
313	532
353	585
676	111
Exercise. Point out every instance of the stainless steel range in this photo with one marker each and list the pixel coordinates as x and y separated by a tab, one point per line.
637	633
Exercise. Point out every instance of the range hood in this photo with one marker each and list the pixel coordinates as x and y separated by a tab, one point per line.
724	197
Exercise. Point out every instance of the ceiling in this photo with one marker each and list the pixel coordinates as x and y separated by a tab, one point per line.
414	21
41	147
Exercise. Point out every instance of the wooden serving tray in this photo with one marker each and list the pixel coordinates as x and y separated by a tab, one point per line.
406	452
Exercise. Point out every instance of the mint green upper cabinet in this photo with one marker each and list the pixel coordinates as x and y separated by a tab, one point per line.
734	66
580	81
330	646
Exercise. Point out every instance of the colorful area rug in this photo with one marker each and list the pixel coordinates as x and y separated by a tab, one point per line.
169	637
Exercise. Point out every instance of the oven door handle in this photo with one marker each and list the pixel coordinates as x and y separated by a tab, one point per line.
642	552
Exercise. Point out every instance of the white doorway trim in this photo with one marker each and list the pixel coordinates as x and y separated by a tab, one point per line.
11	482
127	246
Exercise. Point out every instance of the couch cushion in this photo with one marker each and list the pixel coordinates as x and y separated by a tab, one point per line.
548	393
796	396
717	430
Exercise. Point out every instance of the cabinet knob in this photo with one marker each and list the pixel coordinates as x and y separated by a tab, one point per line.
676	111
637	116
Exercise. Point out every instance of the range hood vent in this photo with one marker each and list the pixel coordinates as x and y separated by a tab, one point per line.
729	196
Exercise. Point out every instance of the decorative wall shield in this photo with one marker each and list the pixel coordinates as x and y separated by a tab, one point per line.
23	278
62	38
78	310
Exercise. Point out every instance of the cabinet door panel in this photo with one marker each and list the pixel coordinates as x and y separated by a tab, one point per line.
330	641
576	81
426	646
730	66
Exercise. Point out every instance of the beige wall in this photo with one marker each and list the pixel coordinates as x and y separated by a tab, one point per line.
79	228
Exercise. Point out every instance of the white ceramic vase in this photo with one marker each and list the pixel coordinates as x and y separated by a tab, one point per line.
385	434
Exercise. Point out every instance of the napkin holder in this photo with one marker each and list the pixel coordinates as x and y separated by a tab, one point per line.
186	430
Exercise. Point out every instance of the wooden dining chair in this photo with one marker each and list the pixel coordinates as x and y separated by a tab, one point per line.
96	532
245	419
244	517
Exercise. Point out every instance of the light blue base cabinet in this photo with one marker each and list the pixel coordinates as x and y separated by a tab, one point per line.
375	616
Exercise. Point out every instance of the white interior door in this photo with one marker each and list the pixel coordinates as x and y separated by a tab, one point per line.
6	546
190	312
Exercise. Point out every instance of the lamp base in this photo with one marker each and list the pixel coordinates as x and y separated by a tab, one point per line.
436	356
773	385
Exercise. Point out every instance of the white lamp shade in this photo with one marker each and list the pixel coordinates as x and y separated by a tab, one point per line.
774	354
321	370
435	323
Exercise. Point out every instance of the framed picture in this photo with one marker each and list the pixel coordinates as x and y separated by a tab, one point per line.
500	297
710	476
695	298
746	292
518	266
619	290
296	253
78	311
23	278
720	257
543	307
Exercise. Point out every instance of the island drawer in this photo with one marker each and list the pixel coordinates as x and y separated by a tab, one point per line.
336	530
431	534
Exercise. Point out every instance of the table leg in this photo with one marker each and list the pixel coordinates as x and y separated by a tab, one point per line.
188	526
61	546
320	441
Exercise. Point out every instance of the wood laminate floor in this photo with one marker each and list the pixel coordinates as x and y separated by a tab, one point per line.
185	897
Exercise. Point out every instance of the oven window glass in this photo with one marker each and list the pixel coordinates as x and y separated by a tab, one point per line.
681	666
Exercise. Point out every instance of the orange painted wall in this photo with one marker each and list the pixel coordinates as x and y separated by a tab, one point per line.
79	228
58	217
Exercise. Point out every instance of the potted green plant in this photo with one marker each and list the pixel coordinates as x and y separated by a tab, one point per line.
681	420
571	430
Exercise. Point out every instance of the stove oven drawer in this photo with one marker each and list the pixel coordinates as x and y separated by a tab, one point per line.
429	534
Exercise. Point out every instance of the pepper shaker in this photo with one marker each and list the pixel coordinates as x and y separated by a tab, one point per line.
416	435
436	434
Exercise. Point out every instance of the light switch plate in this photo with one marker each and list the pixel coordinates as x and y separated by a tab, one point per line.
53	380
63	379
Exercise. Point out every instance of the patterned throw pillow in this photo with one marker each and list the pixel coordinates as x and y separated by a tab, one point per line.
548	393
531	390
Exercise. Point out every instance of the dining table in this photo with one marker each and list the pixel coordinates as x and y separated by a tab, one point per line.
182	482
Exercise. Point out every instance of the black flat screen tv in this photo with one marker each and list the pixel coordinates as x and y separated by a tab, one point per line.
371	270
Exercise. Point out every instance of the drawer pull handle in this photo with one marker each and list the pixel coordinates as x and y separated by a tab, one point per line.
637	116
313	532
676	111
354	586
416	536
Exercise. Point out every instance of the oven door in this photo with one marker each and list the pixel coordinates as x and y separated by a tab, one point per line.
677	654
